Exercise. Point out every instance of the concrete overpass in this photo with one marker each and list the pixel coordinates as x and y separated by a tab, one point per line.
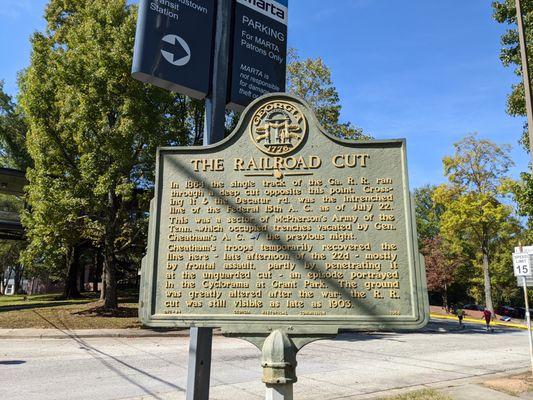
12	182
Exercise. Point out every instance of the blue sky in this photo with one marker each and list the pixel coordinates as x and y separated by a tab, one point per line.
423	70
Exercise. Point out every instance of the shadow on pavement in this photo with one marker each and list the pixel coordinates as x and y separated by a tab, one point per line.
12	362
101	357
434	327
47	305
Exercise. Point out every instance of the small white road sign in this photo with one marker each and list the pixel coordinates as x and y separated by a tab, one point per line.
522	264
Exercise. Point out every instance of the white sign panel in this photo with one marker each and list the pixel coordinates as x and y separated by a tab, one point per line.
522	264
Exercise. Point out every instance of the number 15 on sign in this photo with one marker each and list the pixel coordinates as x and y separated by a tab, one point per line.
522	264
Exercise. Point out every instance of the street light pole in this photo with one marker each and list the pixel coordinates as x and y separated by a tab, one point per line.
525	73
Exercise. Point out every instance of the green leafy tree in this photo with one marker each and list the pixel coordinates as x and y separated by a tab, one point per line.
311	80
474	217
93	133
427	213
505	13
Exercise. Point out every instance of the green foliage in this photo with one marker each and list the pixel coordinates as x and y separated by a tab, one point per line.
505	13
93	134
427	213
475	221
311	80
522	191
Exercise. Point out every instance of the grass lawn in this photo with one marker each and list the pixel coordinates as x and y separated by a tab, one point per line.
46	311
420	395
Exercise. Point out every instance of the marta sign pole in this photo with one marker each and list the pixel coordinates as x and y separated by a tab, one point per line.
525	73
186	46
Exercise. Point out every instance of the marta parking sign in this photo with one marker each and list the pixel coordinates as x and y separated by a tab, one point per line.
173	45
259	50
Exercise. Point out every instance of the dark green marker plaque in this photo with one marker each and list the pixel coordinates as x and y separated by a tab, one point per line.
283	225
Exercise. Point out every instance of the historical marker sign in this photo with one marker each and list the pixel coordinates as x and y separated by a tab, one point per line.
283	225
259	50
174	44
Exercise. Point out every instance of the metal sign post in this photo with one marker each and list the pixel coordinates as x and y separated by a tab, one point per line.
522	263
528	317
525	72
201	339
185	47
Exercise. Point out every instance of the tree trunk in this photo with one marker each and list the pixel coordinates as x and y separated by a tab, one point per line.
102	289
71	283
18	279
82	278
110	294
110	268
486	275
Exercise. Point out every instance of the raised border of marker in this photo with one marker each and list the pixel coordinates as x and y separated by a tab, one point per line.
216	214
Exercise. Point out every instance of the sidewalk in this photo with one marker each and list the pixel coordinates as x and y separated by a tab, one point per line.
478	321
460	392
130	333
87	333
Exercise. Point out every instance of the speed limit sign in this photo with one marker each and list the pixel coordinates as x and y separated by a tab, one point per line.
522	264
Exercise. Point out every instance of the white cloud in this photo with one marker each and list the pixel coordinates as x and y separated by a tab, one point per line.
15	8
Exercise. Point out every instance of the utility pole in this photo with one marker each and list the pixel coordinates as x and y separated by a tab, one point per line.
525	73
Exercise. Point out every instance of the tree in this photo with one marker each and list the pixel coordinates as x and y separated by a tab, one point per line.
92	136
474	216
441	264
93	133
427	213
505	13
311	80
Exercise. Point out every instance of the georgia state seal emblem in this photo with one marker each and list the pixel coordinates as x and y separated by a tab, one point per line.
278	128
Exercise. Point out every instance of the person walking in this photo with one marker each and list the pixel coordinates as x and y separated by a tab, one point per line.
487	314
460	315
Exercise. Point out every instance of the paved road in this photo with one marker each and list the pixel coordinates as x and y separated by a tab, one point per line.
355	366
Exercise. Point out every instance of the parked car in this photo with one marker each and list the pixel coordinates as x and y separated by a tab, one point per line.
473	307
523	312
512	312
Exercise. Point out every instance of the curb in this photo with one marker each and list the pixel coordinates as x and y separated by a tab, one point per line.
22	334
476	321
